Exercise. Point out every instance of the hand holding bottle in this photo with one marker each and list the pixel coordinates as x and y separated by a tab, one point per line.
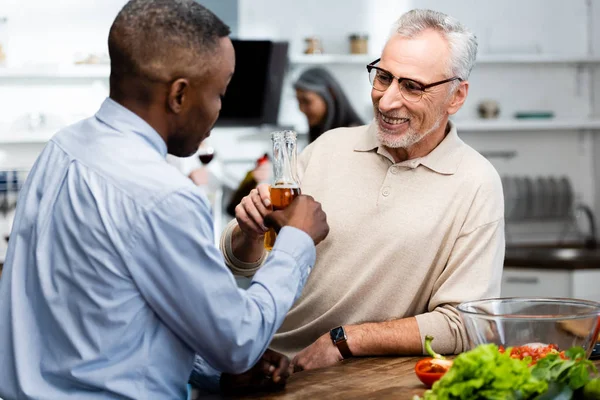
251	211
303	213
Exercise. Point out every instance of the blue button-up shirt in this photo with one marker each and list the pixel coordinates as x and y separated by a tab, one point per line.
112	281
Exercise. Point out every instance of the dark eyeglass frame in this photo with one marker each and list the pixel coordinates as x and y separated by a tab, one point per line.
423	87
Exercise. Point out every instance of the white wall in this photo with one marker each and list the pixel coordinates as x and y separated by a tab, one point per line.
50	34
57	31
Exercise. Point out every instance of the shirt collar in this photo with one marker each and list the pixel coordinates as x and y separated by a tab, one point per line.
122	119
368	141
444	159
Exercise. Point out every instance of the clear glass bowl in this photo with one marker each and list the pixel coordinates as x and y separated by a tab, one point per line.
518	321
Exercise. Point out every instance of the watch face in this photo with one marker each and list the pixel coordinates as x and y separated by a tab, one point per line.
338	334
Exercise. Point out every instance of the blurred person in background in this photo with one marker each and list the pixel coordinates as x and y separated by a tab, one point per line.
322	101
112	282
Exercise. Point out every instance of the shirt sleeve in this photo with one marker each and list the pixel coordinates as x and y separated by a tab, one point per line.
204	377
183	278
473	271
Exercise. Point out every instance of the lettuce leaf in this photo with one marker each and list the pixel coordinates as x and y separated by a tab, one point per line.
485	373
575	372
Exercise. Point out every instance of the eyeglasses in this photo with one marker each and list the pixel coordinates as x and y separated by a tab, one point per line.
410	89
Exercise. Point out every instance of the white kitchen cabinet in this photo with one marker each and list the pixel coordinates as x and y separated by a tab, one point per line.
537	282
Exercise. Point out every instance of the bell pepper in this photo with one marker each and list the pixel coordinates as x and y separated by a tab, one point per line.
431	369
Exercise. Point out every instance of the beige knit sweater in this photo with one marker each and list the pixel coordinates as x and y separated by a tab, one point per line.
414	238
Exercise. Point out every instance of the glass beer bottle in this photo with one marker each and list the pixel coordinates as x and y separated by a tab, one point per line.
286	185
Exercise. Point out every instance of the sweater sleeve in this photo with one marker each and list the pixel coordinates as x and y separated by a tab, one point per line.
237	267
473	271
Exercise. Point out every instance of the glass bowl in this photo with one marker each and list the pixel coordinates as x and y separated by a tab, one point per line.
519	321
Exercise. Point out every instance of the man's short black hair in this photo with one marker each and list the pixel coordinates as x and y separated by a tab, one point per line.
159	39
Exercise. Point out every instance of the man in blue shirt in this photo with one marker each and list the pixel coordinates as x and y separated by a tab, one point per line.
112	282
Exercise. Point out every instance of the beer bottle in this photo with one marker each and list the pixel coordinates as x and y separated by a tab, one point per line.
286	185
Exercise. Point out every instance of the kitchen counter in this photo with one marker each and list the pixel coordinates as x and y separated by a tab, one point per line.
356	378
560	258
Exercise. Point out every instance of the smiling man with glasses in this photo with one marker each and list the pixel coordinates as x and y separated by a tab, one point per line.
416	215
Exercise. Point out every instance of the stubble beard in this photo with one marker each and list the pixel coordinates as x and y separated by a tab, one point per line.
407	139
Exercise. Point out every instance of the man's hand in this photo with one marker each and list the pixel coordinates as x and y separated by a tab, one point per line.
303	213
322	353
251	211
269	374
254	215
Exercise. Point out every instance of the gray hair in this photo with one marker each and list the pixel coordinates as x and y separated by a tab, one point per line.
462	42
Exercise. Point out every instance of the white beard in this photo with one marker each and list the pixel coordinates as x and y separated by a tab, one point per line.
409	138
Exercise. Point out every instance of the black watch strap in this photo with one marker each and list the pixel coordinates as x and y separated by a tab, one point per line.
340	339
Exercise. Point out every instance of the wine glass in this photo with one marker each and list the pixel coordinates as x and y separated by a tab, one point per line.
206	154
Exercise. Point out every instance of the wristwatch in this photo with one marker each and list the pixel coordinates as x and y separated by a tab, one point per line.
339	338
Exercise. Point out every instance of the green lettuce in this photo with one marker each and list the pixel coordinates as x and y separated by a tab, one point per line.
486	373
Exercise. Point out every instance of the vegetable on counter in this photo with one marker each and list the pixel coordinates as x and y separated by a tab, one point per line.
431	369
487	372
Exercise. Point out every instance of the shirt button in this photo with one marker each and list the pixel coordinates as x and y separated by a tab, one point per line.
386	191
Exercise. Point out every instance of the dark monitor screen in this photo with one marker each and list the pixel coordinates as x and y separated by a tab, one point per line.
253	95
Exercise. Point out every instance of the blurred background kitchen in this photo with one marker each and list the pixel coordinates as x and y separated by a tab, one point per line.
533	107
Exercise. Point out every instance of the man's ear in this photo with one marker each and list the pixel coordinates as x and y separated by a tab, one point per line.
458	98
177	94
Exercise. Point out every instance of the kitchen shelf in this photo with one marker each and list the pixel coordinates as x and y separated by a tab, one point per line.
322	59
489	59
535	59
550	124
56	72
103	71
464	125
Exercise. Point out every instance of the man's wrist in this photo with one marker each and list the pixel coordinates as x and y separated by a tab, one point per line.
241	241
236	261
246	238
339	337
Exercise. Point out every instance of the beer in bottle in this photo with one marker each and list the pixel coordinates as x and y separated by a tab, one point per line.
286	185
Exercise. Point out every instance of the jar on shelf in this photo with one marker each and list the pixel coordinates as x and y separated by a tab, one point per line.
313	45
359	43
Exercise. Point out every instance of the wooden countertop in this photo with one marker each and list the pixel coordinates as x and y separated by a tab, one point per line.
357	378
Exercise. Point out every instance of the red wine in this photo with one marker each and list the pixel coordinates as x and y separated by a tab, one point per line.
206	158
